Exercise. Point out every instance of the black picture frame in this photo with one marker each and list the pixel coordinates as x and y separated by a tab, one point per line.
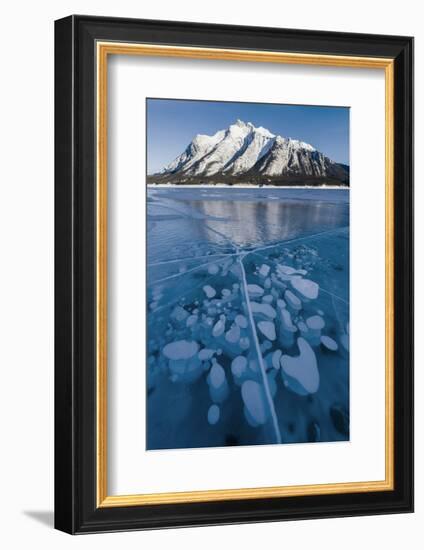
76	509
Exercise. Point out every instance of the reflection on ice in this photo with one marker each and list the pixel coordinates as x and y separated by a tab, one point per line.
248	309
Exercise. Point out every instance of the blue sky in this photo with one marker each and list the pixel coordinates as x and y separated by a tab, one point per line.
172	124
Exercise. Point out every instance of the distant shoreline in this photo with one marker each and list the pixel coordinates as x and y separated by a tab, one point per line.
244	186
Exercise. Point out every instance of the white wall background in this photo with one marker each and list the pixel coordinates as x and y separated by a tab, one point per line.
26	273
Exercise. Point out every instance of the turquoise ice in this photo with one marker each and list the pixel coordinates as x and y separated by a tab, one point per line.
248	316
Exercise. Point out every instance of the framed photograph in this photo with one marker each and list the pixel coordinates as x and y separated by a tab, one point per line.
234	269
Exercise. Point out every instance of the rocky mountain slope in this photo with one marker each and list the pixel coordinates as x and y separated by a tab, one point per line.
243	153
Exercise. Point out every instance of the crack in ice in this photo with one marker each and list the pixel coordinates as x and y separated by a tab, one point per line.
291	241
259	354
188	259
175	275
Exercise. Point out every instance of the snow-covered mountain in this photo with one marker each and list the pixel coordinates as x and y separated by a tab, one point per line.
244	150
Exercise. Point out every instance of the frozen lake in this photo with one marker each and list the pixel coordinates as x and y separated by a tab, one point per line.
248	309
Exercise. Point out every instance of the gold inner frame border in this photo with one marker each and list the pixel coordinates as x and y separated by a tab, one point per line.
103	50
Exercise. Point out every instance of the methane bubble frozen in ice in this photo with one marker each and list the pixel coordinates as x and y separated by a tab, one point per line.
238	368
182	349
241	321
233	335
276	356
184	363
244	342
213	269
287	273
209	291
276	283
264	270
265	310
255	291
287	328
307	289
329	343
218	386
265	346
213	414
302	369
292	300
205	354
179	314
219	327
191	320
315	324
267	328
303	329
254	403
286	269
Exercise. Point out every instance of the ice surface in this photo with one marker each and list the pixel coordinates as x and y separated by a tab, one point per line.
344	340
203	345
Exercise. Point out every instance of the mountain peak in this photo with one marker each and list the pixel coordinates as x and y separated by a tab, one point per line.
239	128
242	124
